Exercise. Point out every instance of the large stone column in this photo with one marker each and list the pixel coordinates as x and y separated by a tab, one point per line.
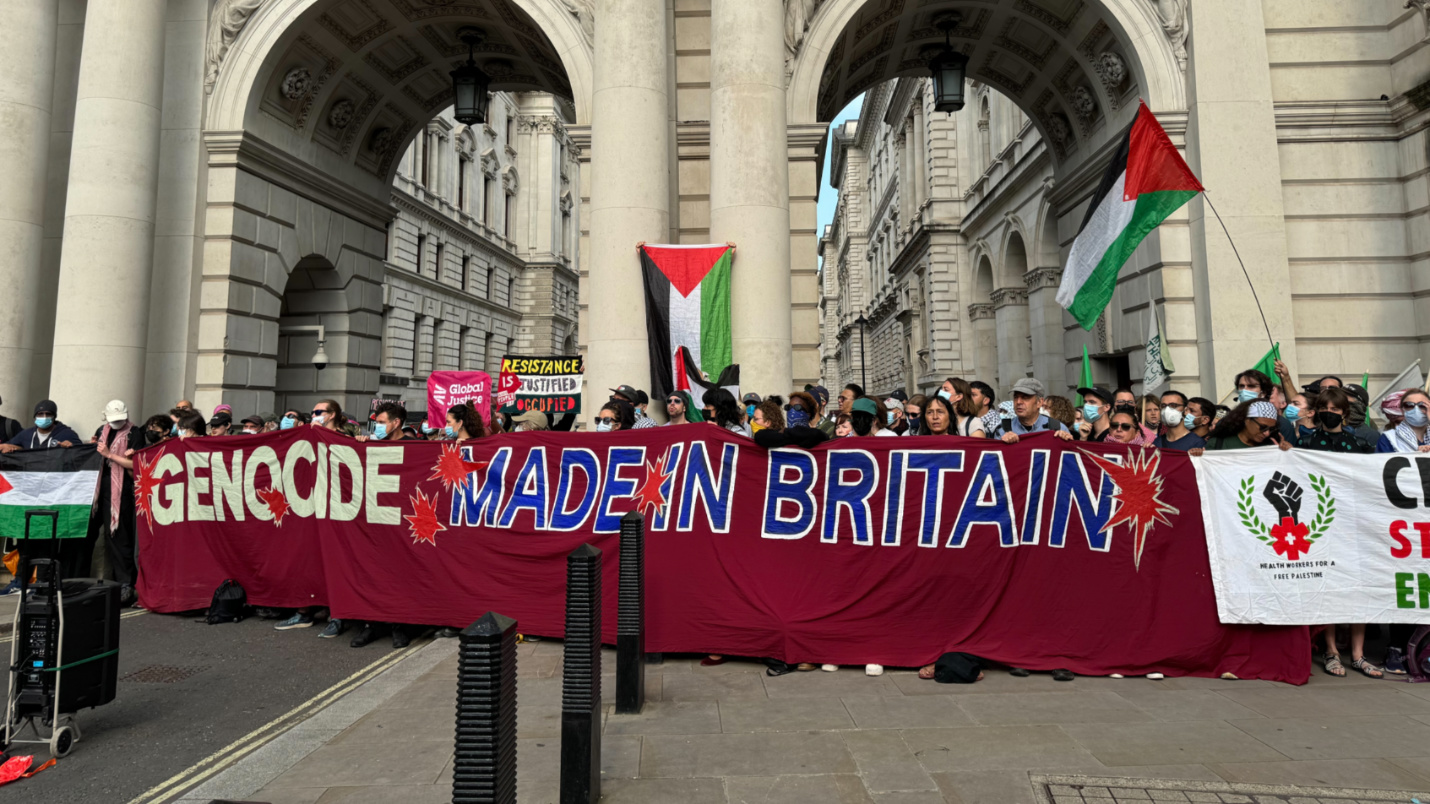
1231	145
1045	325
102	319
630	188
985	344
27	62
749	183
1010	306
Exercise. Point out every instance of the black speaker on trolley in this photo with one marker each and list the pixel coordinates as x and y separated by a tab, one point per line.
87	648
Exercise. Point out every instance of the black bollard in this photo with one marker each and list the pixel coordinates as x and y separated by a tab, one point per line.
630	618
581	680
484	771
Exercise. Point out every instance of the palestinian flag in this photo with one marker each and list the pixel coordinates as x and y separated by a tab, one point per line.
688	381
60	479
687	304
1146	182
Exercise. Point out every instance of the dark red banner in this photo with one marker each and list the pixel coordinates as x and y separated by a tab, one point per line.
1042	555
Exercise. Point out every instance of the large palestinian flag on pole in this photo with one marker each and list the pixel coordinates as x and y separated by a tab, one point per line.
1146	182
687	304
62	479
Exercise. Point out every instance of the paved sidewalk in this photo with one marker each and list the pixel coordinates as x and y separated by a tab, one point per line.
732	734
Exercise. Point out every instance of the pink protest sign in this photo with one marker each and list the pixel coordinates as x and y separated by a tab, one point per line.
448	388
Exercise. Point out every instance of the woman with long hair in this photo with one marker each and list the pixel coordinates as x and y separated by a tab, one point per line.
1251	424
1061	409
615	415
966	419
937	416
464	422
722	409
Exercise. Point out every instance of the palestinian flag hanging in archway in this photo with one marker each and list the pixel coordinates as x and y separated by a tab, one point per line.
1146	181
687	304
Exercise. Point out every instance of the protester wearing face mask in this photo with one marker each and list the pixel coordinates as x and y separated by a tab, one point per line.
157	429
292	418
1178	434
966	422
768	416
894	416
253	425
1412	432
1200	416
464	423
722	410
643	419
113	514
1096	405
328	414
616	415
801	411
820	416
1251	385
47	432
913	414
387	427
1301	412
1330	433
189	425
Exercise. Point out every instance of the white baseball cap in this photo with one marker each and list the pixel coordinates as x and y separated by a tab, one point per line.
115	411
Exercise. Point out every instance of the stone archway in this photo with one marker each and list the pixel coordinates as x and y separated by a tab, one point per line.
340	299
312	104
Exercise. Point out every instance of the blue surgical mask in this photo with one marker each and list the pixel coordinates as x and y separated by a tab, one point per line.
1091	412
448	431
1247	394
286	423
1415	417
44	422
750	411
1292	412
1189	421
945	396
798	418
175	429
379	431
603	428
889	416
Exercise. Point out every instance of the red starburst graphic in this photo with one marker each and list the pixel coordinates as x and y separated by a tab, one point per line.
649	493
144	487
423	522
1138	496
1289	539
277	504
452	469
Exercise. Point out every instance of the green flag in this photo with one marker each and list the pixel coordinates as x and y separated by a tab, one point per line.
1365	380
1267	364
1086	381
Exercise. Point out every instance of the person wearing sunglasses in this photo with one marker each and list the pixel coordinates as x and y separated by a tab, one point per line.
1412	432
1123	428
328	414
292	418
679	409
615	415
1250	424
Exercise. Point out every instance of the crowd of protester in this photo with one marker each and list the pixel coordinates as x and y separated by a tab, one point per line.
1326	415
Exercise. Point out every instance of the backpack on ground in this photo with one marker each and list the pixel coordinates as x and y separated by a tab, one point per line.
230	604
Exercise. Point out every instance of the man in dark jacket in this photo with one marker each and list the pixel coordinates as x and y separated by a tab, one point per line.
47	433
9	428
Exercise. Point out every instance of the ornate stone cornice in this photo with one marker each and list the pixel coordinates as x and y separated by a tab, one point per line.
980	311
1009	297
1048	277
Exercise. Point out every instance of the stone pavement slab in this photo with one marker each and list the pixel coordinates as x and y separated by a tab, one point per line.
735	735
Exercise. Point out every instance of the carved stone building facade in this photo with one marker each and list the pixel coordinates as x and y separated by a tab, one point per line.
1317	144
482	254
210	174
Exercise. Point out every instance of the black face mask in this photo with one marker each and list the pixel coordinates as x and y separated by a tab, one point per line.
152	436
1329	420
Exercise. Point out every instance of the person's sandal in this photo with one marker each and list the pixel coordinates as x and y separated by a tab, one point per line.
926	672
1332	665
1370	670
805	667
713	661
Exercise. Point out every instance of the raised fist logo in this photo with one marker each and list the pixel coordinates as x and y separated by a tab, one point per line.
1284	494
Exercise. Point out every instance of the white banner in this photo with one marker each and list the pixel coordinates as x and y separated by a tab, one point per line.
1309	538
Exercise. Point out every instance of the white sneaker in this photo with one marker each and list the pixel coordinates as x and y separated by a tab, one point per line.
829	668
873	669
1156	676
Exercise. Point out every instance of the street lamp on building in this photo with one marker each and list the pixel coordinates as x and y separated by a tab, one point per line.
470	82
863	372
947	66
